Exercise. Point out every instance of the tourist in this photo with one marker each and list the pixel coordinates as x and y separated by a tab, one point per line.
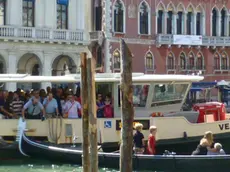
71	107
50	105
100	106
218	150
152	140
16	105
108	109
35	109
138	139
70	110
206	144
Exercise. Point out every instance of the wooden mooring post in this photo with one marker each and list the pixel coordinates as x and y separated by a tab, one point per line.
126	148
85	115
92	116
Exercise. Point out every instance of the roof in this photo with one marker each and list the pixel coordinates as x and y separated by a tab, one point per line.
105	77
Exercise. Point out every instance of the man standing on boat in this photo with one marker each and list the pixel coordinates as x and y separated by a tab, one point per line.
51	106
16	105
35	109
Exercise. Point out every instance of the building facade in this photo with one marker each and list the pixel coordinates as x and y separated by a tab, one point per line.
41	37
165	36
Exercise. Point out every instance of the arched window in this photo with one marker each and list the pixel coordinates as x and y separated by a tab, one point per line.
180	18
189	22
118	16
62	15
98	15
199	61
99	57
116	60
224	61
191	61
160	17
170	61
182	61
216	61
28	13
169	22
149	61
179	22
2	12
214	22
144	18
223	21
200	24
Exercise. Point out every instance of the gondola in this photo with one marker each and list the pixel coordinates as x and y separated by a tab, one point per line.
167	162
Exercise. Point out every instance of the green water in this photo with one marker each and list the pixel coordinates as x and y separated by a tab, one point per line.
45	168
32	165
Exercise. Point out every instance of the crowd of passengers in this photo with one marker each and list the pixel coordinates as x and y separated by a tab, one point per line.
207	146
49	103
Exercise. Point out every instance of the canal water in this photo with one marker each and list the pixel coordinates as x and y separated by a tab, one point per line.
41	166
45	168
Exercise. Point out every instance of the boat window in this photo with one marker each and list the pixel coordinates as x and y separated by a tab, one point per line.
104	89
140	95
165	94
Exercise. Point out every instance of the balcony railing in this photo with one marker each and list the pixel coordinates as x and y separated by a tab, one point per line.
187	67
41	34
223	67
167	39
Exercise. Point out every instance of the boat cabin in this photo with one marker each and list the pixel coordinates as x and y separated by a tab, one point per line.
210	112
151	93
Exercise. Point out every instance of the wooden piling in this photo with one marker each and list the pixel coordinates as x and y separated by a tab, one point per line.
92	116
126	148
85	115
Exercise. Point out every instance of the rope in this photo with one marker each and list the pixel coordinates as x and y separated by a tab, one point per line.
54	136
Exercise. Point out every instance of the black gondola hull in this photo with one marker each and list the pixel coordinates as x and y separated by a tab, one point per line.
140	162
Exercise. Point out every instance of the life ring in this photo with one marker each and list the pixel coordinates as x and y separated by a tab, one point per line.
157	114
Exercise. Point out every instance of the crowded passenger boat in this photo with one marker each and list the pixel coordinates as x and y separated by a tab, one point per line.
153	94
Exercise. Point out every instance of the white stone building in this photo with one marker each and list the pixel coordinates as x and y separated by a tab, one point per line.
41	37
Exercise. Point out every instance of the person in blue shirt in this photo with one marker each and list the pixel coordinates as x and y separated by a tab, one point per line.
51	106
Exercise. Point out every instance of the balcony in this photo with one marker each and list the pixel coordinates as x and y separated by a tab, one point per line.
221	68
41	35
185	68
215	41
97	36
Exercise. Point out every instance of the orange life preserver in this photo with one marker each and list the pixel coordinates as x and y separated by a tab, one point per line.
157	114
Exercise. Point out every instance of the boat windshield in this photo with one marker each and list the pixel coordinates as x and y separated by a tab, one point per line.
165	94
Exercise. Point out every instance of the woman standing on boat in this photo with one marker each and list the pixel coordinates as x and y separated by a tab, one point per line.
206	144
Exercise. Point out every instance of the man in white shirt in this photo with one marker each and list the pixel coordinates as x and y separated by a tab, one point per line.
70	109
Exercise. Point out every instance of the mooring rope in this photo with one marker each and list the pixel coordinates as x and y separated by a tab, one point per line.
54	136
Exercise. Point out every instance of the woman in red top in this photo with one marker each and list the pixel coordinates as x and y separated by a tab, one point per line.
152	140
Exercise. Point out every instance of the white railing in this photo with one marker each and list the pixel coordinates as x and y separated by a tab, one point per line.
167	39
41	34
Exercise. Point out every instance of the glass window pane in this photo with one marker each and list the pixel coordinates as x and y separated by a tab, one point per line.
165	94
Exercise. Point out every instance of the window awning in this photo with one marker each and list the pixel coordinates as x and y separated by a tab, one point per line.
204	84
63	2
195	89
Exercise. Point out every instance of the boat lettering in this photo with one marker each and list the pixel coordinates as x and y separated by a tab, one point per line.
145	124
224	126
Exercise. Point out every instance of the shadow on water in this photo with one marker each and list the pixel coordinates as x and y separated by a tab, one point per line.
34	165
